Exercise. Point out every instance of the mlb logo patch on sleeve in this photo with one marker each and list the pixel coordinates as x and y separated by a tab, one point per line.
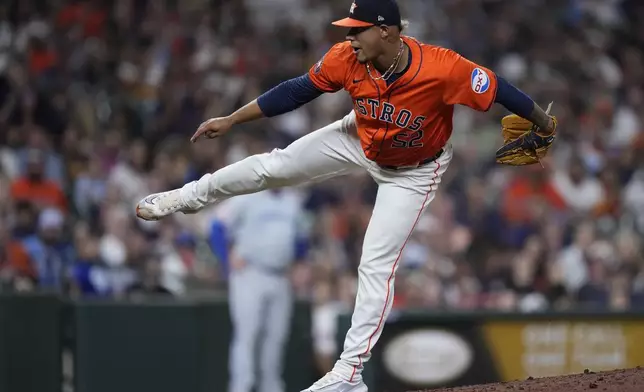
480	81
318	66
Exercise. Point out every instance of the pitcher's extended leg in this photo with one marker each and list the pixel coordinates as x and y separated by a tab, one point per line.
322	154
400	202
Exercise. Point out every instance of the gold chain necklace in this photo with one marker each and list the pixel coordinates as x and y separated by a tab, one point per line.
393	66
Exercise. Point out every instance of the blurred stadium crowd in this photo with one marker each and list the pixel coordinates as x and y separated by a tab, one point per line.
98	100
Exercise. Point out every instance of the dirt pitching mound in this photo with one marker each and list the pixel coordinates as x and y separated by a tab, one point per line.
627	380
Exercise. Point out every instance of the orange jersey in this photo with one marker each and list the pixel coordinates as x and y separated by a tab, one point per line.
411	119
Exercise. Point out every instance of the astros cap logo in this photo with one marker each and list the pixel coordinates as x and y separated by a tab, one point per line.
367	13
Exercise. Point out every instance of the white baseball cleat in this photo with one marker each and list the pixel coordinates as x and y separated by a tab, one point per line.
332	382
159	205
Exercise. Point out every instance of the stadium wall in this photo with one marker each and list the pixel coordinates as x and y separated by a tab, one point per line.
183	345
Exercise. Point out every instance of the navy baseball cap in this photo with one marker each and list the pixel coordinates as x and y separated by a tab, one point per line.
365	13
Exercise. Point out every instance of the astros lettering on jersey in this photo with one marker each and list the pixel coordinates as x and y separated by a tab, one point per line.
411	119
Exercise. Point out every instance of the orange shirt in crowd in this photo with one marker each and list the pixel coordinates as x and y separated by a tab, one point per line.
41	60
92	20
42	193
522	192
18	260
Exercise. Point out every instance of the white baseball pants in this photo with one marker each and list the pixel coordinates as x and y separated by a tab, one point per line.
402	197
260	306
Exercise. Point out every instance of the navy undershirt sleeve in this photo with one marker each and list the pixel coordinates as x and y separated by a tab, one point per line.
513	99
288	96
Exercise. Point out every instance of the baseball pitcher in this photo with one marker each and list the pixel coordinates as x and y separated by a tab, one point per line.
403	93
